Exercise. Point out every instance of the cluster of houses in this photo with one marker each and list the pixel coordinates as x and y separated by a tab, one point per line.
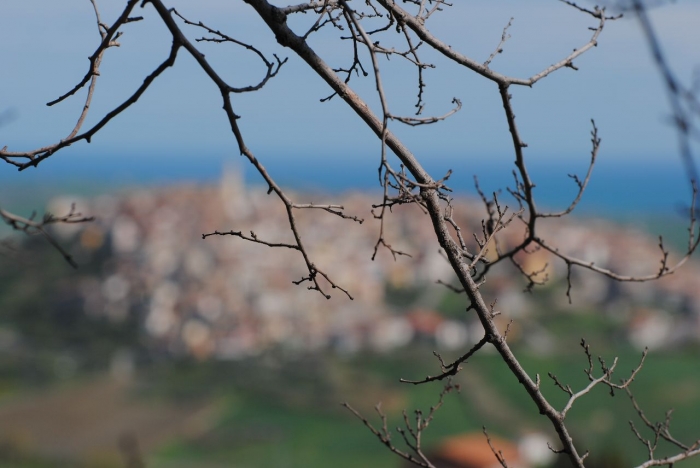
224	297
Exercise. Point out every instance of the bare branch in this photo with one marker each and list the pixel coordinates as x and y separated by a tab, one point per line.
411	433
304	7
31	227
582	184
333	209
430	197
450	287
450	369
252	238
497	453
272	67
499	49
675	93
36	156
109	37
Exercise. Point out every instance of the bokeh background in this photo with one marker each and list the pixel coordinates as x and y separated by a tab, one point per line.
168	350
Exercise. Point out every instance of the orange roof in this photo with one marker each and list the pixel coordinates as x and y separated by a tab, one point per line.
473	451
424	320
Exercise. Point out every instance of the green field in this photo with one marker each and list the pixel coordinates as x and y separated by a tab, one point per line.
275	420
279	412
58	406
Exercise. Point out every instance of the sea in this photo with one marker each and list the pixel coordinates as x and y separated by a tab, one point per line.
618	189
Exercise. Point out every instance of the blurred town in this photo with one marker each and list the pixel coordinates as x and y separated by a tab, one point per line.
227	298
150	294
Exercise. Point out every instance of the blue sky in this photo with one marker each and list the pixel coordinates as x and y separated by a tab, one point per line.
44	45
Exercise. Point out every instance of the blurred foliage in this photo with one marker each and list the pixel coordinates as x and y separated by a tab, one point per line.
44	330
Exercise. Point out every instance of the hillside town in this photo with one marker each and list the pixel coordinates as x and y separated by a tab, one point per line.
227	298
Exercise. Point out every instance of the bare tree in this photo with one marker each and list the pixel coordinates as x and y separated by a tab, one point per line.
378	30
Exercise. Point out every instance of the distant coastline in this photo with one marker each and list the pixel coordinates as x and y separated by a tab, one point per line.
617	190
